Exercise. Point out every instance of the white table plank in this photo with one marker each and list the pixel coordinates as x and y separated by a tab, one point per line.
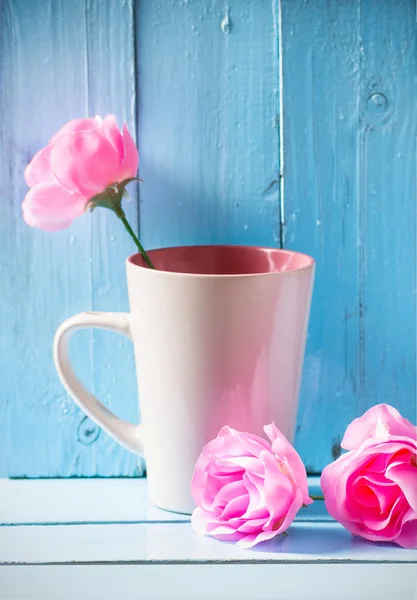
78	501
96	501
174	543
208	582
102	539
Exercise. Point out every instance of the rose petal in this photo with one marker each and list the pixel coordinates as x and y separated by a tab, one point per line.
335	480
381	523
408	535
225	432
282	447
228	537
252	525
33	220
295	506
198	482
278	489
404	456
220	468
236	507
405	476
224	532
199	520
255	538
247	463
203	523
207	465
337	477
113	135
376	467
214	484
364	494
227	493
332	471
256	507
252	539
386	494
369	425
75	125
85	162
39	169
253	444
387	534
51	207
130	162
228	446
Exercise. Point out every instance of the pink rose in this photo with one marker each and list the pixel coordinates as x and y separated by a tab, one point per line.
80	161
372	490
246	490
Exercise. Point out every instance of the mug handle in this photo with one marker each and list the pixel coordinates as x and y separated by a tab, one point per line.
127	434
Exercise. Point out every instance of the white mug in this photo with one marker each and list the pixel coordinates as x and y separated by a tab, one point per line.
219	335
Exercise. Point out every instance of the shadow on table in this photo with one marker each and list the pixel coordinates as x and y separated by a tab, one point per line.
307	538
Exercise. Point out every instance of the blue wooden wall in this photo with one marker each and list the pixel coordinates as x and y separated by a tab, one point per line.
287	123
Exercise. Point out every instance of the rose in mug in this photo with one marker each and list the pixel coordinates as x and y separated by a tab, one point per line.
88	163
219	308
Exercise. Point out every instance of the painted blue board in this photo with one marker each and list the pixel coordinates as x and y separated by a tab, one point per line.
203	78
349	145
388	194
75	51
208	91
60	60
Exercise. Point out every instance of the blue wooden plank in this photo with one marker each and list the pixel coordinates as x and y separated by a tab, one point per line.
321	55
387	196
51	501
208	122
349	165
208	88
110	28
176	543
59	60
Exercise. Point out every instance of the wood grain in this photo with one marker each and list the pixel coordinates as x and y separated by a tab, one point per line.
52	501
208	122
202	82
387	199
60	60
350	201
204	581
159	558
176	543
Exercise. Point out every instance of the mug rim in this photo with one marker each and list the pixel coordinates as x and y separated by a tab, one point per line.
310	261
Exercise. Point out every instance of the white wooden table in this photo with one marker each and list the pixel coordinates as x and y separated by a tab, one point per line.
102	540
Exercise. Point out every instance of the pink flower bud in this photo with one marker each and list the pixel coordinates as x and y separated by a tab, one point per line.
80	161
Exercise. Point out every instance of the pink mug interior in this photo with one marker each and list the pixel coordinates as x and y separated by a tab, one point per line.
224	260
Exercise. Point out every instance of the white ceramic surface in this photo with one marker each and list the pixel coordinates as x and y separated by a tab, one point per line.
219	336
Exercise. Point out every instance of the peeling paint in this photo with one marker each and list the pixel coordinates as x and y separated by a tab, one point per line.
336	449
226	25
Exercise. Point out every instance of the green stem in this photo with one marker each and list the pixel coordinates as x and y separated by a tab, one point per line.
121	214
316	497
